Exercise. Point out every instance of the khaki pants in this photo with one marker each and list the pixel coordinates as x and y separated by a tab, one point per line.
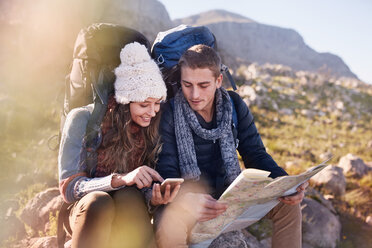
174	225
115	219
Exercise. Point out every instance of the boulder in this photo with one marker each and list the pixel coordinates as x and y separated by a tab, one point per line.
44	242
308	113
332	180
38	242
308	155
369	144
266	243
325	156
236	239
369	220
149	17
353	165
369	165
37	210
320	228
286	111
248	93
12	227
316	195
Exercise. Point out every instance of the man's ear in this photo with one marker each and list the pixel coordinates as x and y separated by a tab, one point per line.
219	81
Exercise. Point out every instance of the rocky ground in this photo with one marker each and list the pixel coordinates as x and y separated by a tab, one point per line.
303	119
322	224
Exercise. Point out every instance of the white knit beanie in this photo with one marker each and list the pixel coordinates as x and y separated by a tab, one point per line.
138	76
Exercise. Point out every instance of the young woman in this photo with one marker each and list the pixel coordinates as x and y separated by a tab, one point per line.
108	204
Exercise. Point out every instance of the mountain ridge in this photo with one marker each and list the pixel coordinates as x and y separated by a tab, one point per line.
263	43
209	17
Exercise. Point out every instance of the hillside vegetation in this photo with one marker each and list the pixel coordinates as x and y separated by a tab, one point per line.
303	118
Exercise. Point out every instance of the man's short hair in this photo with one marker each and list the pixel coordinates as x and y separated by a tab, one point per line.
201	56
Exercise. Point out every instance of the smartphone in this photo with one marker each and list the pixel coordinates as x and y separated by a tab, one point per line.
173	182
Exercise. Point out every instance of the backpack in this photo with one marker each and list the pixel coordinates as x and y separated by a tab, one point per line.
91	80
169	46
96	54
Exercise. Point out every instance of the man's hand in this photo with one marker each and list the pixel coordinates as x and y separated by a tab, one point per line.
297	197
158	199
203	206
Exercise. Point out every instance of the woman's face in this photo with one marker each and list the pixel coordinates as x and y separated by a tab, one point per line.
142	112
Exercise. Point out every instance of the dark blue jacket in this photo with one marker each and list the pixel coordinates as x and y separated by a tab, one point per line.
208	154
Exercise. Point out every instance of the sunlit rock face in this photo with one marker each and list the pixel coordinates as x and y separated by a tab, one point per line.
241	39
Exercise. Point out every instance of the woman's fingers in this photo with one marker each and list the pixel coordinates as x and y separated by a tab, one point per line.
146	178
156	195
167	192
139	183
154	174
174	193
156	188
168	196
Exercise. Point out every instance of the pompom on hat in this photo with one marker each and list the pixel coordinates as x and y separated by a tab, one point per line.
138	77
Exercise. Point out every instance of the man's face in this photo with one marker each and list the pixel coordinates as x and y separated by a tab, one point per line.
199	87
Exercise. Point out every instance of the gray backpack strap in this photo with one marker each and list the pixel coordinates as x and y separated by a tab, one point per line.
102	89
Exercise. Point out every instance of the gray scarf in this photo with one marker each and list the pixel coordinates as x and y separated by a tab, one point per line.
185	120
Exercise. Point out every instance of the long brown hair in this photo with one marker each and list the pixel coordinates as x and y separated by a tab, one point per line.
125	145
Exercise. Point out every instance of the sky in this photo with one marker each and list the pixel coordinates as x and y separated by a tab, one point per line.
341	27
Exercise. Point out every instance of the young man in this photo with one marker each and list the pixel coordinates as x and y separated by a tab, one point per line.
198	145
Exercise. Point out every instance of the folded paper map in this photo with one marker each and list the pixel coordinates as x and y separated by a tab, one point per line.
250	197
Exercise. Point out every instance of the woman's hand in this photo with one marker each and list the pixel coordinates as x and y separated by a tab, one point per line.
142	177
158	199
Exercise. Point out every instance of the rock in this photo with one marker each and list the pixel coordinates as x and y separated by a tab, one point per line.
64	19
236	239
332	180
308	155
325	156
291	165
266	44
149	17
39	242
369	144
44	242
305	245
248	94
353	165
369	220
308	113
37	210
247	72
322	199
286	111
252	71
321	113
320	228
12	227
274	105
339	105
369	165
266	243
